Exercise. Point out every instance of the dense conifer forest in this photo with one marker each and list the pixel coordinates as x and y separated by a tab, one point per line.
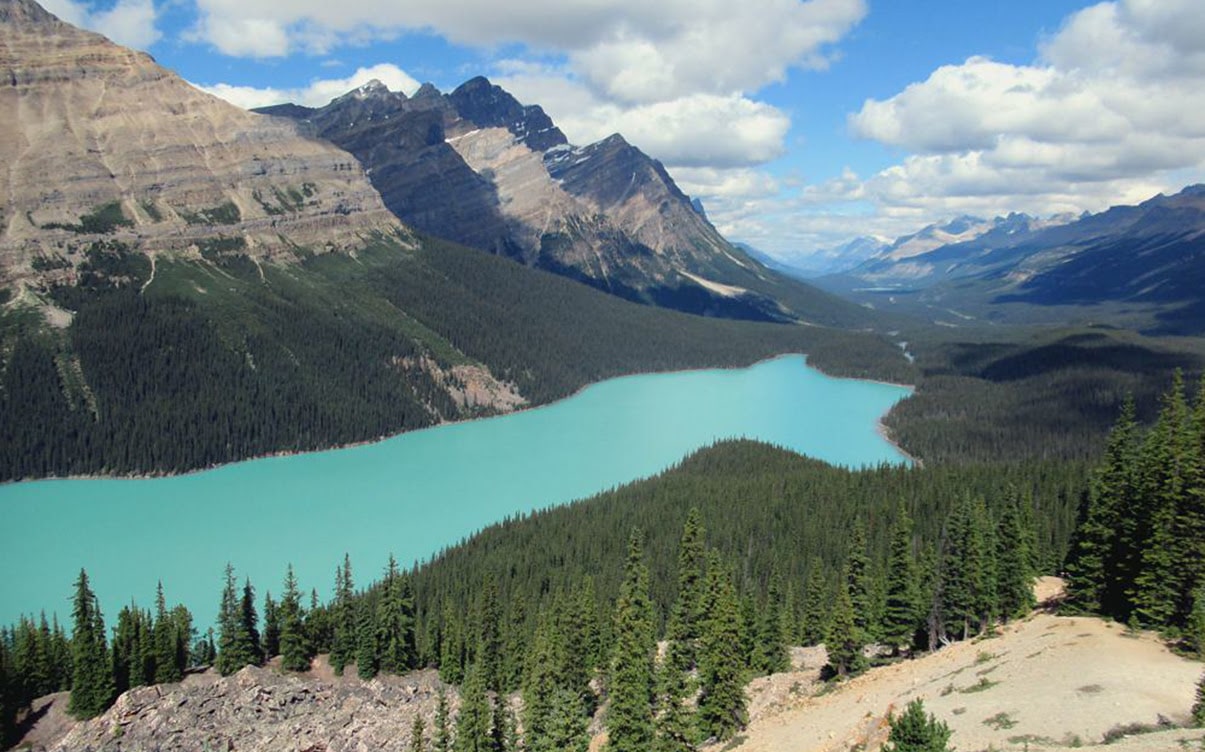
222	359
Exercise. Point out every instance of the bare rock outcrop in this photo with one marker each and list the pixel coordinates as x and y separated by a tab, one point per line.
262	709
98	142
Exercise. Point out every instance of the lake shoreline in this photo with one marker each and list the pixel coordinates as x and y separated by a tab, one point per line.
881	428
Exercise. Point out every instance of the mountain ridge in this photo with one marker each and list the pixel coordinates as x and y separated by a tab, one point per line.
477	167
1135	265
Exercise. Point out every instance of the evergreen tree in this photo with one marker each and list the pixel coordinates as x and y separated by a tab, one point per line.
1198	707
92	678
318	628
442	741
417	741
166	639
771	654
473	720
683	630
366	641
674	727
238	635
395	622
845	641
540	681
900	615
515	644
857	573
293	654
451	647
1166	469
721	706
630	718
1014	576
816	602
567	725
249	625
271	626
914	732
489	637
344	637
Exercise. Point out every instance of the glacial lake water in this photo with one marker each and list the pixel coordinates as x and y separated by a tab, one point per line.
412	494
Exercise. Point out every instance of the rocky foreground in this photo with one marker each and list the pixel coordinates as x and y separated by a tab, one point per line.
255	709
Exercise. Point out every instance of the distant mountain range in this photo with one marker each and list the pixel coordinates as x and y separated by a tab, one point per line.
477	167
1138	266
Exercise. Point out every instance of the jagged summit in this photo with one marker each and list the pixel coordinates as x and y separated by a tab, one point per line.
487	105
478	167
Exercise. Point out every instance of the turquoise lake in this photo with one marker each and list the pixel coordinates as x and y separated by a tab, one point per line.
412	494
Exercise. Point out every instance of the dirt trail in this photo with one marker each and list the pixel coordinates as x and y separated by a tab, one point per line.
1048	682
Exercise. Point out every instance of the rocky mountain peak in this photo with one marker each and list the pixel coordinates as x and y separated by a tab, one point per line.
141	158
26	13
487	105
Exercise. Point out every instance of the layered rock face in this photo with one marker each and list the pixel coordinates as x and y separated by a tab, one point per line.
477	167
99	142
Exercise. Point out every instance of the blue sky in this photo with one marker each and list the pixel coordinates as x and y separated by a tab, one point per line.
799	124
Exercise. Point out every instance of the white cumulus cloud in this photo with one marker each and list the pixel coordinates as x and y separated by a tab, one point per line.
127	22
1108	112
318	92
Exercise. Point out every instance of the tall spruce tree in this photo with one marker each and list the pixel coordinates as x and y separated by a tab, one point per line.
489	637
721	705
442	737
238	635
902	604
816	602
1165	463
845	640
771	653
857	573
674	727
395	622
683	630
166	640
473	721
366	641
92	678
1098	554
630	718
567	725
1014	577
293	653
344	625
271	637
544	676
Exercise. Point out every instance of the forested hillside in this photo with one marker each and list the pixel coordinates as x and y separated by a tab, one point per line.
185	364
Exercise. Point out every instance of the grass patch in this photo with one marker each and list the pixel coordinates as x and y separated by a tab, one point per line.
222	214
151	210
735	742
1123	730
982	685
1000	721
983	657
102	220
